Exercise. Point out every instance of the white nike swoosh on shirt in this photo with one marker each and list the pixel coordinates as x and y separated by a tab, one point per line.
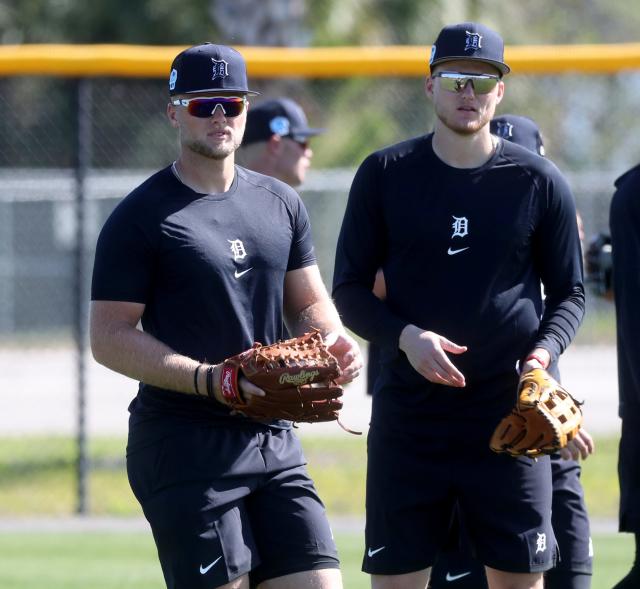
454	252
239	274
374	552
451	577
205	570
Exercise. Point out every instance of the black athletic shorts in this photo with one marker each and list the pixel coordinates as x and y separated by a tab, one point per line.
570	525
629	476
569	517
413	483
457	563
226	501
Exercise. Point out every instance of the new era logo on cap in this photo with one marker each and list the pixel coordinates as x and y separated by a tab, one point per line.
280	126
208	68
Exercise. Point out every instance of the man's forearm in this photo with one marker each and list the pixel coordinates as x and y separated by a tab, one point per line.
320	315
366	315
140	356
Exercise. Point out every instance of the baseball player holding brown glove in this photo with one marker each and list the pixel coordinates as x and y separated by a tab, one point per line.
214	259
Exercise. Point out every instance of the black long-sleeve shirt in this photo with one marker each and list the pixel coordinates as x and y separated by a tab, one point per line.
625	240
464	253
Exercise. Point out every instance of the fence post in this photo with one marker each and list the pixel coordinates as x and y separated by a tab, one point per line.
82	165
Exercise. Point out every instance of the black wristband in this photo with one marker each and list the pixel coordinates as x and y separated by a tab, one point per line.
210	382
195	379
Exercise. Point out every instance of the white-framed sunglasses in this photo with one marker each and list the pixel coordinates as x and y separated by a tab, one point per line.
457	81
204	107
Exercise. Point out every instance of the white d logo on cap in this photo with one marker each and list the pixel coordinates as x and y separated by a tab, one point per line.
220	69
173	78
473	41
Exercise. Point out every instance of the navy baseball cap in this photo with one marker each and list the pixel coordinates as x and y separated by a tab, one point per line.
520	130
280	116
208	68
472	41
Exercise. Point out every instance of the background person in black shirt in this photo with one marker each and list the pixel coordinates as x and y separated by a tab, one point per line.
624	221
211	257
466	228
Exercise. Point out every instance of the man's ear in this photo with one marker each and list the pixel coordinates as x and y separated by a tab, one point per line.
500	94
171	114
274	145
428	87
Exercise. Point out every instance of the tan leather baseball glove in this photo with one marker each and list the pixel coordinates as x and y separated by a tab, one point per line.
545	418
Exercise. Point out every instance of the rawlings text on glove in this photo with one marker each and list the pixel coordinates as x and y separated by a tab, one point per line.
297	376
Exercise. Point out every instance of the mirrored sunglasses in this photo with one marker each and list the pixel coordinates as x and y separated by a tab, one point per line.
205	106
457	81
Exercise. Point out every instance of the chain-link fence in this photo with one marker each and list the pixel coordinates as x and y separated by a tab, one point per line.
70	150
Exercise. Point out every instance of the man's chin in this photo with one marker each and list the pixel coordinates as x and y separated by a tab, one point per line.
218	153
466	129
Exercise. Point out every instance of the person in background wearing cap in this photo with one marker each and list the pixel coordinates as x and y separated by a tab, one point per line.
624	224
569	513
466	228
211	257
276	141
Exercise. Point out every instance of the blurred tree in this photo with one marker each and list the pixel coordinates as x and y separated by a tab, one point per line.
361	114
161	22
268	22
336	22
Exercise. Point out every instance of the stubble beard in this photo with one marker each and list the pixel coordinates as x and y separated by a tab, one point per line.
468	128
217	153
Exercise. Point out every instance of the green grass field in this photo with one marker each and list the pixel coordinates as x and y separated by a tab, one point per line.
37	476
128	561
37	479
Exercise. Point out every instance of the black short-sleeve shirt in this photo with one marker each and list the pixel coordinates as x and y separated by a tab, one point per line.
209	268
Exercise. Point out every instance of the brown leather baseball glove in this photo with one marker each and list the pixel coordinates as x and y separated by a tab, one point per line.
545	418
297	376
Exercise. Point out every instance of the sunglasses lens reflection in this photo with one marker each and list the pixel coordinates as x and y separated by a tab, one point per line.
232	106
458	82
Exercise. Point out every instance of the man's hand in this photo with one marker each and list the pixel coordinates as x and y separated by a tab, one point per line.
247	388
426	352
580	447
538	358
380	286
347	352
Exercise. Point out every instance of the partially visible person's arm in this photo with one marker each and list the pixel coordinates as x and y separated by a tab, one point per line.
624	221
359	255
